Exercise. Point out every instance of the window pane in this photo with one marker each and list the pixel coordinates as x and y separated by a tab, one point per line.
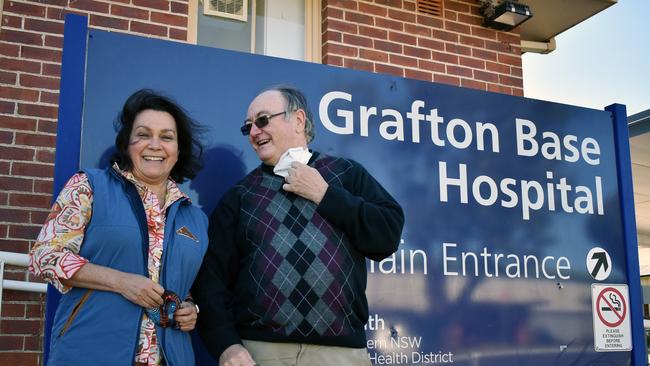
280	28
223	32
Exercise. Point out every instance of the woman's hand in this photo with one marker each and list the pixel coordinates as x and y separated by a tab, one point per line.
140	290
186	316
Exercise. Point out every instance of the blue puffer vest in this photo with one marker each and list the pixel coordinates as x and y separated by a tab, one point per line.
100	327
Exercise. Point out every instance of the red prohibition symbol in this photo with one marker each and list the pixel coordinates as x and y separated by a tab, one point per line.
612	304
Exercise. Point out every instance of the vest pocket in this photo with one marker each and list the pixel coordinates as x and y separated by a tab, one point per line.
75	312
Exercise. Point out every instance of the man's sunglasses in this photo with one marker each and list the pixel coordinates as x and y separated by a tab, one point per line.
260	122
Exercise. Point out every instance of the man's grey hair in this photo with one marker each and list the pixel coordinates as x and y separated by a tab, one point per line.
295	100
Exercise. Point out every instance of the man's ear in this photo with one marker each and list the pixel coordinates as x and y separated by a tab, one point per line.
300	120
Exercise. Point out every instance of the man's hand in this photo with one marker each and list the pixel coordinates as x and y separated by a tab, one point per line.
186	316
236	355
306	182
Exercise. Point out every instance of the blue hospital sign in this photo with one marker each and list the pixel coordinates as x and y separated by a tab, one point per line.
505	198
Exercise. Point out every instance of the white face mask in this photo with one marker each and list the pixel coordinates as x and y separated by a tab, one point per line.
299	154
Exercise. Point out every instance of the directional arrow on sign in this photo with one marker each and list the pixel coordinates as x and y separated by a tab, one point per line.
601	260
599	263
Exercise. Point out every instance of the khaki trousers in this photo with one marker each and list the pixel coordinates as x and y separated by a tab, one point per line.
300	354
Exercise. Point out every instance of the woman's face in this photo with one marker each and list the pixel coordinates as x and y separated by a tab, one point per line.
153	146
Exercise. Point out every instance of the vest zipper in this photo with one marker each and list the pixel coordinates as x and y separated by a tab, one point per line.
75	312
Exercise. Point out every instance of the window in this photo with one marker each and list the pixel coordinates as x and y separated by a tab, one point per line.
281	28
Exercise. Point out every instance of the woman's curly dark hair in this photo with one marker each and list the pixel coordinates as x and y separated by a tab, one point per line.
190	149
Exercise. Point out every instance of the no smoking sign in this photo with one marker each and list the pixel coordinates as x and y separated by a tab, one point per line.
610	304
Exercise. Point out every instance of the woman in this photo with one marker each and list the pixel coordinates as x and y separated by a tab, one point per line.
117	239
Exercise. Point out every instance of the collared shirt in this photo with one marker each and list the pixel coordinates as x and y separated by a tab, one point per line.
55	255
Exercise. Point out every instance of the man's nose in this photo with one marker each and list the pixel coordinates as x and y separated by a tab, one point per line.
255	130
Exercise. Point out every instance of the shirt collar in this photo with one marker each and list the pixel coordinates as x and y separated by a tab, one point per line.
173	192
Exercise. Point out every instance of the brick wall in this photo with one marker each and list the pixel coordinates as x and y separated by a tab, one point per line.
31	36
385	36
391	37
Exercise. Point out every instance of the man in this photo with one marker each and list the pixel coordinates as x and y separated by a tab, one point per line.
284	278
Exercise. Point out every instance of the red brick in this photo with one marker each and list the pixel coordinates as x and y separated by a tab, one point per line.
389	69
388	46
446	79
46	126
129	12
331	36
6	137
332	13
32	81
353	40
11	343
373	55
34	311
55	2
417	52
373	32
38	217
33	343
457	27
450	15
108	22
55	13
409	5
509	60
516	71
146	28
484	33
358	64
11	310
9	21
393	3
42	186
179	8
49	98
429	21
32	170
14	245
401	15
460	71
518	92
20	327
25	9
389	24
471	62
457	6
470	19
483	54
417	74
508	38
8	78
169	19
510	81
53	41
345	27
402	38
37	110
403	61
359	18
179	34
16	153
44	26
31	139
431	44
14	184
417	30
332	60
472	41
458	49
27	200
497	46
39	53
444	57
372	9
16	36
12	295
28	95
346	4
486	76
432	66
51	69
155	4
90	5
6	107
445	36
340	50
18	123
8	49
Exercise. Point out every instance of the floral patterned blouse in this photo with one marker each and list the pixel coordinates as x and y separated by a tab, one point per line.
55	255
